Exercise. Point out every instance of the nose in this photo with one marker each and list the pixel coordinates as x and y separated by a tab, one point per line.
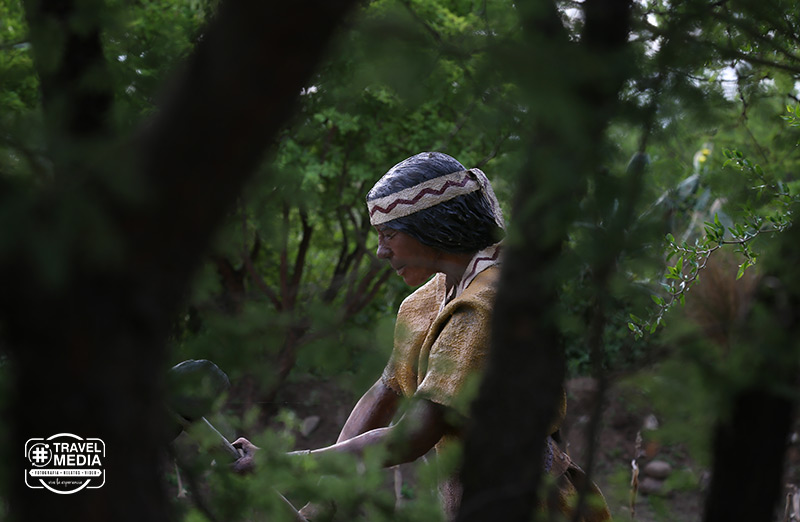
383	251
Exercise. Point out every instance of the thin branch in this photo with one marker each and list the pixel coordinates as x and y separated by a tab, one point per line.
341	276
195	491
754	60
495	150
355	292
688	280
381	280
347	260
283	269
354	261
435	34
341	267
350	310
729	51
300	259
754	33
742	98
248	263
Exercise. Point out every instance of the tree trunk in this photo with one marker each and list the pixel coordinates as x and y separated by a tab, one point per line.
750	438
503	452
87	350
748	454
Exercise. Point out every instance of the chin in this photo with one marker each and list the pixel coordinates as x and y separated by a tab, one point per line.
416	280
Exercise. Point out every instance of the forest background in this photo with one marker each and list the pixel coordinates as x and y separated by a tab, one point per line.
185	180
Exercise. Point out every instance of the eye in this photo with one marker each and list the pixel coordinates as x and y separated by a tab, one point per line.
387	234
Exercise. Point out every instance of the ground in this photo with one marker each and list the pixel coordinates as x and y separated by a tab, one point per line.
679	497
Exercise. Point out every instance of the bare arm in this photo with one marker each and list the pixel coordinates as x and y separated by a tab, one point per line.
374	410
412	437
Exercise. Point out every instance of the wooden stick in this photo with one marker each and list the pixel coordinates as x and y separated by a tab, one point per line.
237	454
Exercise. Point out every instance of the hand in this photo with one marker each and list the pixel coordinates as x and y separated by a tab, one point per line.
246	463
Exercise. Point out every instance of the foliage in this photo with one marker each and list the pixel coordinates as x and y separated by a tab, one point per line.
701	124
775	201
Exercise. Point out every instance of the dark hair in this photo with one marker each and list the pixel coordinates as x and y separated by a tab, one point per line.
463	224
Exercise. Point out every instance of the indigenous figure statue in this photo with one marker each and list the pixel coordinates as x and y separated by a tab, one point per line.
440	226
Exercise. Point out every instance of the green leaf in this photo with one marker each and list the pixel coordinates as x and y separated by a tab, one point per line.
743	267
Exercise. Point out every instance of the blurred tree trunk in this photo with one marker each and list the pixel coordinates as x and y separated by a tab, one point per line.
751	436
524	378
88	349
748	453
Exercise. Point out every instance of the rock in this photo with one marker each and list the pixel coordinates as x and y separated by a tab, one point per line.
657	469
705	480
309	424
650	422
651	486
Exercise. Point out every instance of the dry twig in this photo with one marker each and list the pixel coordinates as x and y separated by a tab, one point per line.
635	473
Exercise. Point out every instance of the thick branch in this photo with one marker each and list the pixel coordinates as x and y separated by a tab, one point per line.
247	259
300	259
283	266
372	292
363	293
337	277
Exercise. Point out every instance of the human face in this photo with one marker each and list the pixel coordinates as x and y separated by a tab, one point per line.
412	260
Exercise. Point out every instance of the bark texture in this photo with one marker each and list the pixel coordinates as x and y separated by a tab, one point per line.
524	378
87	349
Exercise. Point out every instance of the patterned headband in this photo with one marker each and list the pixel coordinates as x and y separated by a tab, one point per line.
430	193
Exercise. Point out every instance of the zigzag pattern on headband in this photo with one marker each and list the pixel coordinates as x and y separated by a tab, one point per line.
421	196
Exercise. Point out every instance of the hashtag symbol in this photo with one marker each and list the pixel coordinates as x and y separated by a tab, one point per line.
39	454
